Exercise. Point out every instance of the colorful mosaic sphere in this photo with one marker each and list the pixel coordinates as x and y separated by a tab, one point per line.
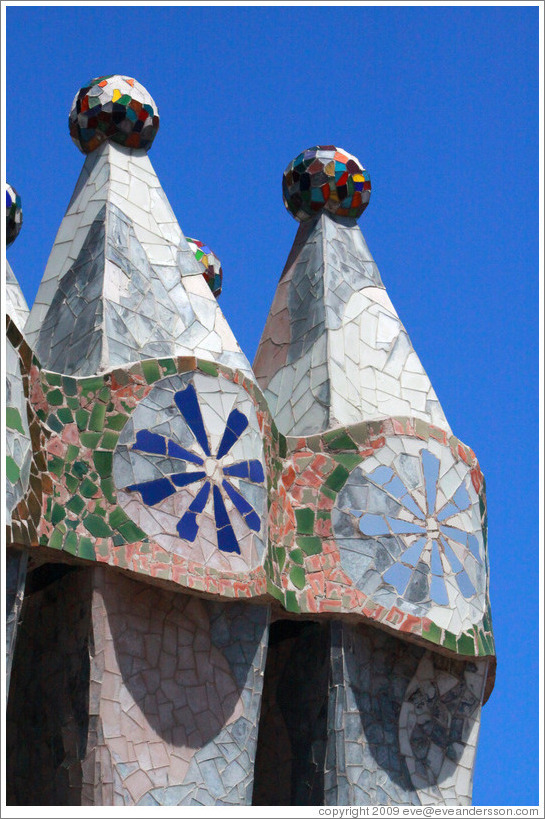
113	107
212	272
325	178
14	215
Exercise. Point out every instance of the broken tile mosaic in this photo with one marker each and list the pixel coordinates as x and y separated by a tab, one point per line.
113	107
325	177
213	274
14	215
171	501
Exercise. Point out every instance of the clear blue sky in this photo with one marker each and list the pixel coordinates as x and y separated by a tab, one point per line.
441	106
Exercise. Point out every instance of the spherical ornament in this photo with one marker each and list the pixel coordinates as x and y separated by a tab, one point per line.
325	178
113	107
14	215
212	271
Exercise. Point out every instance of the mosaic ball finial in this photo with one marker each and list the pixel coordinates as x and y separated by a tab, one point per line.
14	215
113	107
325	178
211	265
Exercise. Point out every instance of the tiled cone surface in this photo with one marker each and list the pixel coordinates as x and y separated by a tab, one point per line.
334	351
386	520
121	283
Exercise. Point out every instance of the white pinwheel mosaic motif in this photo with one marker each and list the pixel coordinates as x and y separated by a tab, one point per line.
408	527
189	471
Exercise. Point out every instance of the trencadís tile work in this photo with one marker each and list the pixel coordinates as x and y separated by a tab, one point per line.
231	585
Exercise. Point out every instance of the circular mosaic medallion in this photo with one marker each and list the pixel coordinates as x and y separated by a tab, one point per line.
189	471
408	526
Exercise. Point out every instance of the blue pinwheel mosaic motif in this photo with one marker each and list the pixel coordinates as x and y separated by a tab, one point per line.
409	529
220	476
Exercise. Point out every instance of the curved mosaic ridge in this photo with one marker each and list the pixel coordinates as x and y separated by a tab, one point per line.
353	532
193	455
128	422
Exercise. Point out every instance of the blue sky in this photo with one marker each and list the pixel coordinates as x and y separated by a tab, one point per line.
441	106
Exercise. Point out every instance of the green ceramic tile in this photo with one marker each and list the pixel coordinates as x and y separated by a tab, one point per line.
466	644
282	446
69	385
75	504
274	591
348	461
103	462
296	556
91	384
116	421
329	493
109	440
280	554
310	545
65	415
90	439
71	452
168	365
57	514
54	379
88	488
71	543
116	517
56	539
337	479
118	540
151	371
290	602
86	548
73	403
108	489
433	634
104	394
339	439
55	398
13	419
56	465
449	640
131	531
207	367
82	419
54	424
305	521
297	577
80	468
97	526
12	470
96	421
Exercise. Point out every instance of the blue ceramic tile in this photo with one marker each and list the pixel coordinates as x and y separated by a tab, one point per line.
187	403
